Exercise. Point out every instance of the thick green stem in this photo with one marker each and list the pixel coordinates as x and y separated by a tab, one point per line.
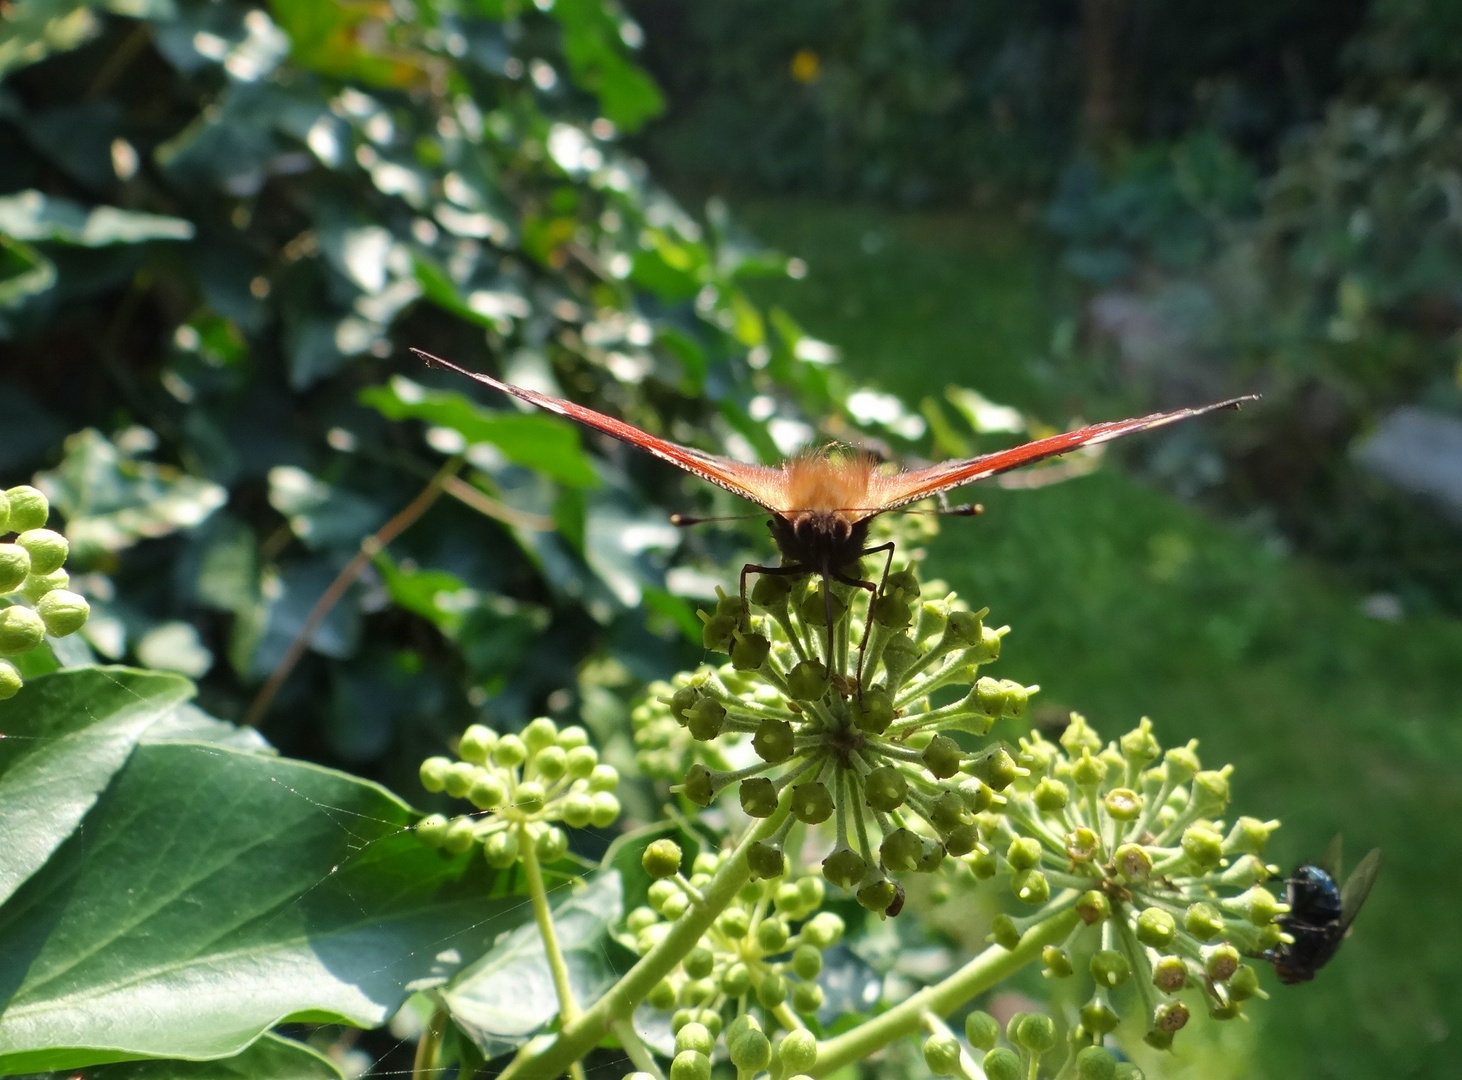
635	1048
981	973
568	1008
577	1038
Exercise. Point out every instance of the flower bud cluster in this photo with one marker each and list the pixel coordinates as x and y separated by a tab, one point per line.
1171	896
522	786
1027	1038
759	959
842	725
34	598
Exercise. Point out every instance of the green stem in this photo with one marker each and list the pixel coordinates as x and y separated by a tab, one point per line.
568	1008
425	1064
577	1038
634	1047
981	973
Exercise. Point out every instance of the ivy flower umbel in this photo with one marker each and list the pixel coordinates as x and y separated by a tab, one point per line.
876	759
522	785
1170	897
34	598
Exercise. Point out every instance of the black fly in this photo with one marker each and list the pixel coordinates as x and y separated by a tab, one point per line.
1320	913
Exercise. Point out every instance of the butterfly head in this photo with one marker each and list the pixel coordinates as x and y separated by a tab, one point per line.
820	540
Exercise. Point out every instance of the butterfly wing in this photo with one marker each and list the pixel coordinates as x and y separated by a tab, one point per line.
900	489
758	483
1358	886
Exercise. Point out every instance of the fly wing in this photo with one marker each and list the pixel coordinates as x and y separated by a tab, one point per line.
1333	861
762	485
903	488
1358	886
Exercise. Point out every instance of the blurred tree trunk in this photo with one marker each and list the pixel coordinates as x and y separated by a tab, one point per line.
1102	23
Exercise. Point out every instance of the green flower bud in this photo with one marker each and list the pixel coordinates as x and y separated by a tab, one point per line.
606	810
476	744
1002	1063
698	786
749	650
662	996
690	1065
1057	962
552	844
1095	1063
812	802
997	768
1258	905
773	741
808	681
1156	928
873	712
806	962
10	680
1123	804
1110	968
736	980
1004	932
1203	921
771	991
1088	771
948	811
576	809
893	612
823	930
758	797
639	919
501	849
811	890
1030	886
1249	836
1243	984
1170	974
964	630
961	840
941	1054
771	935
797	1052
550	763
750	1050
877	895
844	868
540	734
21	630
433	773
4	513
1181	762
1133	862
1211	791
432	830
1024	853
694	1036
734	923
1170	1017
942	757
1203	846
983	865
899	654
14	566
900	851
1098	1018
1093	907
28	508
47	549
1037	1033
681	1017
603	778
459	778
509	752
529	797
699	962
771	591
766	862
661	859
487	790
982	1030
1221	962
36	586
813	609
885	788
572	737
582	761
718	632
706	719
1051	795
807	998
675	905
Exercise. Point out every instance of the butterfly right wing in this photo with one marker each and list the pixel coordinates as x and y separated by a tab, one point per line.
758	483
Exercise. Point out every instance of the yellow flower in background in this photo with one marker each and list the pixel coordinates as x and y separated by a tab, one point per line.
806	66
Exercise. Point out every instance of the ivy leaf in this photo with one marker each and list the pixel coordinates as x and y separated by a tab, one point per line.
270	1058
594	46
65	736
24	272
213	893
505	997
534	441
30	215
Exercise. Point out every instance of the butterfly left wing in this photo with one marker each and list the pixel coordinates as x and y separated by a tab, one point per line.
758	483
900	489
1358	886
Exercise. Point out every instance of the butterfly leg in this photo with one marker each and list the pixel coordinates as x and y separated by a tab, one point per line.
874	592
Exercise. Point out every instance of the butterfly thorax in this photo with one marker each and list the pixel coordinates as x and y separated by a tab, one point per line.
823	541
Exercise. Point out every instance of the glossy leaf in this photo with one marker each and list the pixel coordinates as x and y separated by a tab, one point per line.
65	735
214	893
270	1058
30	215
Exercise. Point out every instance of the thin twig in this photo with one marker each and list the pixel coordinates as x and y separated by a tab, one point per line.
464	492
370	547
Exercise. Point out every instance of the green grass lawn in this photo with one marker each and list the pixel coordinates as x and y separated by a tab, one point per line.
1126	603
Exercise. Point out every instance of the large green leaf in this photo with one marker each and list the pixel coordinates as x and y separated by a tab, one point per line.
539	442
212	893
508	995
65	735
271	1058
24	272
29	215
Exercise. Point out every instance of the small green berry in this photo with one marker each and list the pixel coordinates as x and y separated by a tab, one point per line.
1051	795
698	786
501	849
942	757
661	859
21	630
14	566
765	861
1093	907
823	930
941	1054
694	1036
1110	968
873	711
1030	886
900	851
433	830
844	868
552	844
1004	932
576	809
1156	928
1002	1063
982	1030
1203	921
885	788
749	650
1243	984
773	741
603	778
812	802
1098	1017
1221	962
797	1052
807	998
808	681
690	1065
476	743
433	773
1057	962
1095	1063
706	719
47	548
29	508
758	797
1170	974
877	895
510	752
606	810
487	790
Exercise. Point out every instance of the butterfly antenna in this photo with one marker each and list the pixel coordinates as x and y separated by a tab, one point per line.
685	521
